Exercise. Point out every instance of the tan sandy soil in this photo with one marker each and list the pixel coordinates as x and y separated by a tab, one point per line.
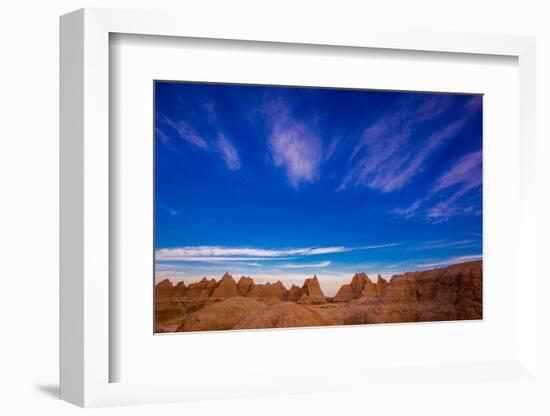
333	313
283	315
221	315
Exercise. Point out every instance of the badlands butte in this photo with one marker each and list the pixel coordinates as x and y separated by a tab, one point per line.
443	294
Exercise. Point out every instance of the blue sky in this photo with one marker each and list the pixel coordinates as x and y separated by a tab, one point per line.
280	183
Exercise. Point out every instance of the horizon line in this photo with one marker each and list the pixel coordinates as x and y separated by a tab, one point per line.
426	267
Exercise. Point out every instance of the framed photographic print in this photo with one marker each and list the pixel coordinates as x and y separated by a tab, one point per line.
280	207
231	196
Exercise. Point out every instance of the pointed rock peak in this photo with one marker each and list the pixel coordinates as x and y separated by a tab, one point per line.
204	280
165	282
180	284
311	281
359	280
227	278
312	287
245	279
279	284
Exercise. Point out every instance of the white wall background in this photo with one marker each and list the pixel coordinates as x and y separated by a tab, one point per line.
29	205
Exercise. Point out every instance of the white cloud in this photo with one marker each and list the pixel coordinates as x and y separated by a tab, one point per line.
383	158
324	250
221	253
187	133
379	246
453	193
216	259
199	139
449	261
294	146
409	211
466	173
239	253
228	152
168	209
430	245
306	265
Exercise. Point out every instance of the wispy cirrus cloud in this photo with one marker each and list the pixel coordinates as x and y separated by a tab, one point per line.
374	246
164	138
464	178
294	146
466	173
216	259
244	251
186	133
431	245
228	152
166	141
221	253
170	210
452	193
450	260
386	157
409	211
434	107
321	264
210	137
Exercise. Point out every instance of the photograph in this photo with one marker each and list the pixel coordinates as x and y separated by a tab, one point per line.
298	206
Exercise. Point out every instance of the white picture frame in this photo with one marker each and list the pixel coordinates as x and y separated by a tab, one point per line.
85	211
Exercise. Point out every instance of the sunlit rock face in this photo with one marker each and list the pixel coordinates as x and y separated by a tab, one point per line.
226	288
450	293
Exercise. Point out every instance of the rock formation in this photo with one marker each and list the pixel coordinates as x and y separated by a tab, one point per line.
244	285
294	293
358	282
179	290
354	289
451	293
195	290
344	294
311	292
164	289
282	315
221	315
381	285
226	288
360	287
211	286
267	291
369	290
164	311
